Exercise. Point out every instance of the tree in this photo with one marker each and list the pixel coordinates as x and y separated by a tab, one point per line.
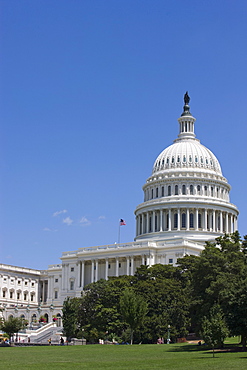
214	329
133	309
70	317
11	326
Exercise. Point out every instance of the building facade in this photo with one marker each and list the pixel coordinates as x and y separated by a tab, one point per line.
186	203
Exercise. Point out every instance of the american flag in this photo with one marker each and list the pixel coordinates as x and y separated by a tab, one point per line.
122	222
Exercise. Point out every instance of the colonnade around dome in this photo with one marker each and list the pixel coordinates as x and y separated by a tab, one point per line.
185	219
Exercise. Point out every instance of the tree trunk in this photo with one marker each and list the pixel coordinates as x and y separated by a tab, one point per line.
131	336
243	341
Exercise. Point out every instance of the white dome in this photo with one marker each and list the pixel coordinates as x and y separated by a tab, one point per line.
187	154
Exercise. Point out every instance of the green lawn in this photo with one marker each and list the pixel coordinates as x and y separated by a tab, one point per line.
173	356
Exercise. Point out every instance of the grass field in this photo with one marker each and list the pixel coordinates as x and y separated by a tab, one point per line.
173	356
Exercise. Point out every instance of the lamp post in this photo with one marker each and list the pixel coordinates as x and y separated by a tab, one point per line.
168	334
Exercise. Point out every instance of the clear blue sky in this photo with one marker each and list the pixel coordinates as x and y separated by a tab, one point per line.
90	93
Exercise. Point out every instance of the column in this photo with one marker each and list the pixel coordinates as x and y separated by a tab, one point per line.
161	220
132	266
106	269
127	266
227	222
63	276
97	271
214	220
205	220
231	220
43	291
221	222
196	220
170	220
142	216
147	231
92	272
153	222
117	266
179	223
136	225
187	219
82	273
143	259
50	287
78	274
235	223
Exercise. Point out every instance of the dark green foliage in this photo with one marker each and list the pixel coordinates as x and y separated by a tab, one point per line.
214	328
70	317
11	326
133	308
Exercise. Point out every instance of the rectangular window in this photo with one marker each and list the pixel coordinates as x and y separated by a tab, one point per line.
109	266
170	260
19	282
11	295
25	282
18	295
72	269
31	297
56	294
25	296
72	285
4	293
119	265
56	280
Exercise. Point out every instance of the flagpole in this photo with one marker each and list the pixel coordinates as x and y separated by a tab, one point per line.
119	232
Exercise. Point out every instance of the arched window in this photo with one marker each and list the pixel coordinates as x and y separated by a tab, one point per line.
175	220
183	220
167	160
162	191
176	189
169	190
184	190
157	192
184	159
191	189
178	159
198	189
199	220
191	220
206	190
217	190
212	191
173	159
152	193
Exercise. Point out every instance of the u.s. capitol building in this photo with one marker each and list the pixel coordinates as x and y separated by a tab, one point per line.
186	202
